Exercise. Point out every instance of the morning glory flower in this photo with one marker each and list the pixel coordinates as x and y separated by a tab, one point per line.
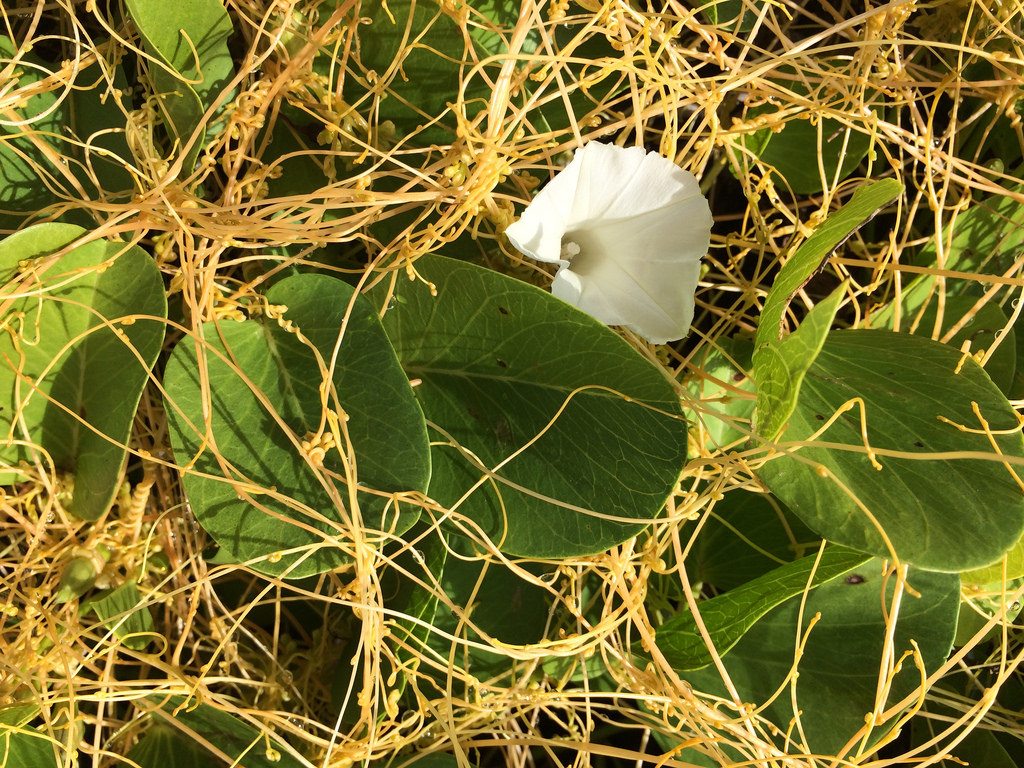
627	229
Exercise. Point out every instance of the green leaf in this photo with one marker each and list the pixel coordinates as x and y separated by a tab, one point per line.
927	504
429	60
247	480
25	183
548	430
792	153
98	120
729	616
200	730
83	331
473	593
411	601
731	13
405	586
580	84
163	746
407	591
505	604
76	579
746	536
302	165
28	748
840	662
982	602
83	126
980	328
780	364
723	392
991	574
806	151
984	239
18	715
980	747
807	259
122	611
188	37
418	51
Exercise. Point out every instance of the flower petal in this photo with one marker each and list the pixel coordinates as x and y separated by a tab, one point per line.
538	232
628	229
640	272
617	182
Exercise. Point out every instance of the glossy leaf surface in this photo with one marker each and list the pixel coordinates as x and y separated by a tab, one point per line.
267	389
549	431
842	656
914	392
729	616
186	731
781	361
86	327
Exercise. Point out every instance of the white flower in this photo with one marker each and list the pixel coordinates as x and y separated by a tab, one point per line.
628	229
